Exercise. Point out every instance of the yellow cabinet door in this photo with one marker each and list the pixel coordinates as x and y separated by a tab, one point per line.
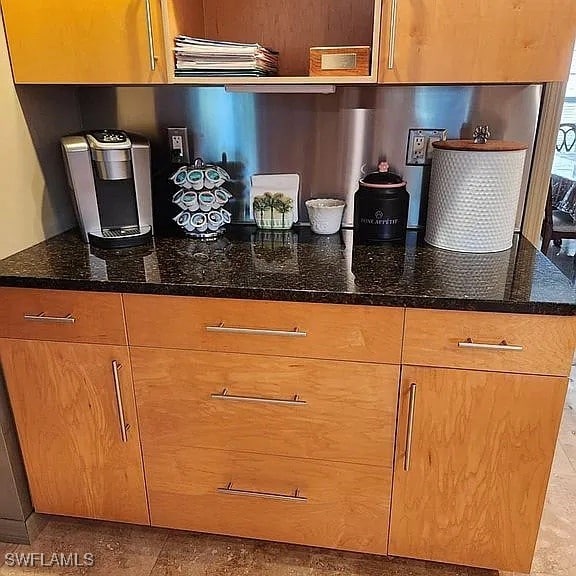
69	401
473	459
476	41
85	42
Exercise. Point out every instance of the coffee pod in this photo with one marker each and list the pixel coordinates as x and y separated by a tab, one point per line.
177	199
215	220
213	178
226	216
222	196
196	179
206	201
183	219
223	174
180	178
190	201
199	221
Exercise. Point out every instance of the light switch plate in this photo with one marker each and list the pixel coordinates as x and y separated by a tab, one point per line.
419	152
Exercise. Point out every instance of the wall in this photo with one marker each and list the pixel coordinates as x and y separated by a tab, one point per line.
33	196
327	139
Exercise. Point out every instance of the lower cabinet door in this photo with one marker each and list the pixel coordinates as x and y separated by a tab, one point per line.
472	465
76	418
309	502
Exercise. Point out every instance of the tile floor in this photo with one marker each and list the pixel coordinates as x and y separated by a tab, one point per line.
139	551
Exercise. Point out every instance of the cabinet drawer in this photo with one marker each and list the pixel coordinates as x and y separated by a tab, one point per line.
343	411
315	503
363	333
485	341
61	315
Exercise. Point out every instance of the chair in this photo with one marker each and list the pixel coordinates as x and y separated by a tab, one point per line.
557	225
560	225
566	141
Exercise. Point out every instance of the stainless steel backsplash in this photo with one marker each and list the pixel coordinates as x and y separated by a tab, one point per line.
327	139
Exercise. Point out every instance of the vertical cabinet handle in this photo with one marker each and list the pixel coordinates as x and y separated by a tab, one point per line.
150	31
392	37
123	426
410	429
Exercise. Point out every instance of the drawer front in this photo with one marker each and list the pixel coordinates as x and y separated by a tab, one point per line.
362	333
487	341
315	503
61	315
342	411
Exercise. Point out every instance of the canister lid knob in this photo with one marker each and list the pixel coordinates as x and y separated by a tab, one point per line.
481	134
383	166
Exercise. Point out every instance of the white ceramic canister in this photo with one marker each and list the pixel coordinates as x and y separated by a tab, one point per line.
474	193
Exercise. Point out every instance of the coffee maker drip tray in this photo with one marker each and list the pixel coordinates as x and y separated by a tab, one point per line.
126	237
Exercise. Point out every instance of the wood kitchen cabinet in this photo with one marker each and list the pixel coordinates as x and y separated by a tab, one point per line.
87	42
476	41
474	453
69	406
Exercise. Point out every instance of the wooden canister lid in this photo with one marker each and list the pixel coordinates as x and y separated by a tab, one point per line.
490	146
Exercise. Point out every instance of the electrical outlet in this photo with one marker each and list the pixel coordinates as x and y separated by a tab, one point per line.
420	142
178	142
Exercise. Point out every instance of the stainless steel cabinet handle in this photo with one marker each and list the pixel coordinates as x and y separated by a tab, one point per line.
123	426
270	495
68	319
256	331
469	343
392	38
295	401
410	429
150	35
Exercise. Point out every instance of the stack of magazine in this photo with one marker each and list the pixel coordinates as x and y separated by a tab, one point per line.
199	57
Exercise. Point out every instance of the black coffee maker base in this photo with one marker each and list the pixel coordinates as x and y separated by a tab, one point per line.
118	240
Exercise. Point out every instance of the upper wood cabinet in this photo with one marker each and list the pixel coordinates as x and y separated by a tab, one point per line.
85	42
476	41
473	457
69	406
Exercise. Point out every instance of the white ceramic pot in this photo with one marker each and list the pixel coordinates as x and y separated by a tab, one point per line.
325	215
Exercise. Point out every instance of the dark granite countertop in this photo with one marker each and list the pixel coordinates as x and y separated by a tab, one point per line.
300	266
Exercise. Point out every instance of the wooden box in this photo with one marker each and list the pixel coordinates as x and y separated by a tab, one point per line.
340	61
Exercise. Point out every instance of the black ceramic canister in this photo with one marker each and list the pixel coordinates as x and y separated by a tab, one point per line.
381	207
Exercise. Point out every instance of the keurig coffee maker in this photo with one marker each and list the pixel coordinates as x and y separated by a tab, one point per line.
109	174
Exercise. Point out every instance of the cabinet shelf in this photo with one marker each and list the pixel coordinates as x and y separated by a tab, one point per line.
291	28
273	80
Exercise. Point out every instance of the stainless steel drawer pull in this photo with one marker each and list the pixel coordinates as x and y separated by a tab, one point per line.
296	333
123	426
392	38
270	495
469	343
68	319
150	31
410	430
292	402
